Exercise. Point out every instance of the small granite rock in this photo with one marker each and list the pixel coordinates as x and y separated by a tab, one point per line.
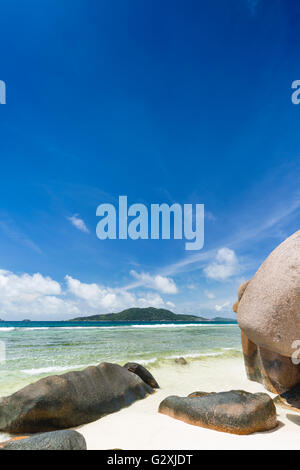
142	372
56	440
236	412
181	361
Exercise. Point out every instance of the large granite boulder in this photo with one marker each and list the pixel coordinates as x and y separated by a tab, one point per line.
268	313
56	440
236	412
269	309
68	400
143	373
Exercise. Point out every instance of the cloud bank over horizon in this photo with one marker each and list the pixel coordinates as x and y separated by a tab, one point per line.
40	297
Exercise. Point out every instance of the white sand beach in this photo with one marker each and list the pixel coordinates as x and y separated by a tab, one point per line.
140	426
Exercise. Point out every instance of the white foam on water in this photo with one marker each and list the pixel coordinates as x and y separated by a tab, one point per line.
89	327
187	355
115	327
175	325
145	361
37	328
171	325
203	354
46	370
58	328
194	355
208	354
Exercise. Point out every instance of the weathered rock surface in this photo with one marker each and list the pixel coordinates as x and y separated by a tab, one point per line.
241	291
268	311
289	399
68	400
56	440
181	361
276	372
142	372
236	412
197	394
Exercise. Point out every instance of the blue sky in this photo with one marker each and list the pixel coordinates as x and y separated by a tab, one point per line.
162	101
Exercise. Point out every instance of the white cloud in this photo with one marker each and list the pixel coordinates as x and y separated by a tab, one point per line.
224	266
106	299
163	284
221	307
209	295
192	286
210	216
96	296
26	285
152	300
78	223
31	295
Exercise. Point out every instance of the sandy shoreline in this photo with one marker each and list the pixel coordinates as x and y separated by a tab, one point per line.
141	427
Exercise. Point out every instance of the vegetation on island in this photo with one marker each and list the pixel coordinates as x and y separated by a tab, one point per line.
148	314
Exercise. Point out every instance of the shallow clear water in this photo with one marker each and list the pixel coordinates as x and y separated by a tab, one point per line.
35	350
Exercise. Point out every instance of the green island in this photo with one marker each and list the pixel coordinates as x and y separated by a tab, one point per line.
147	314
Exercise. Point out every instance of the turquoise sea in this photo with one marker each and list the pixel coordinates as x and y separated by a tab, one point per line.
36	349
